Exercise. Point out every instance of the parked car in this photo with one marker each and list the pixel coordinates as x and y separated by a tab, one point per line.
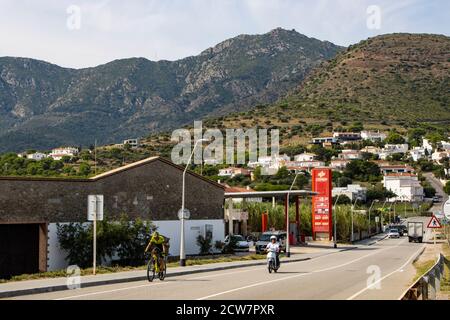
436	199
393	233
264	239
240	244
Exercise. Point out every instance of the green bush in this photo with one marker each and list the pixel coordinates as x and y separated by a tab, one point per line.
124	238
204	244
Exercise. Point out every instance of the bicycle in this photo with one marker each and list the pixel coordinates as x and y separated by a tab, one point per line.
152	266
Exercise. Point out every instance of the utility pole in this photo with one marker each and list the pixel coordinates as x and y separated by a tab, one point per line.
95	157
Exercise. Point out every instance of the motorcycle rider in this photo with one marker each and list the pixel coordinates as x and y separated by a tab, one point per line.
274	246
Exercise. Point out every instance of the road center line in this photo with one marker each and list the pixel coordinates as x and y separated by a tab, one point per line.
221	274
296	276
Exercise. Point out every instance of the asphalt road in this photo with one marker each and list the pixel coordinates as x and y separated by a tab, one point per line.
436	184
385	266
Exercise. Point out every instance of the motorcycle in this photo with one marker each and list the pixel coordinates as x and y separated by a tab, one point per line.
272	261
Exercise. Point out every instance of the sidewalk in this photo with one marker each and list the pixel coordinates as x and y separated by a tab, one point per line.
298	253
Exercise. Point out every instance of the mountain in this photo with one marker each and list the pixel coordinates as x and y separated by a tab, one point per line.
43	105
395	77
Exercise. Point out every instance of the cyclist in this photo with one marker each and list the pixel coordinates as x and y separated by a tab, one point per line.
159	242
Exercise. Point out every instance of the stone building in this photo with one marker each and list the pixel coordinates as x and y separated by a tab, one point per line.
150	189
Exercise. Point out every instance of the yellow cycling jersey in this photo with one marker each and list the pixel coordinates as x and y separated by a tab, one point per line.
157	240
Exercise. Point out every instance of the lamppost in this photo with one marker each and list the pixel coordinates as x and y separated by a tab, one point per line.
370	230
288	252
182	252
334	218
353	207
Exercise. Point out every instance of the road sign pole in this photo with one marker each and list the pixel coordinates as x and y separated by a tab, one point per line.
95	245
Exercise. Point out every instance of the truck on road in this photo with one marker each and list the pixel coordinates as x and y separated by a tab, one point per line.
415	231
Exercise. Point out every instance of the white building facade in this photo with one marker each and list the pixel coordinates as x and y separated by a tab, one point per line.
405	185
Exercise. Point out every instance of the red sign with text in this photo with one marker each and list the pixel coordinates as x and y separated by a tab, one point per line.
322	203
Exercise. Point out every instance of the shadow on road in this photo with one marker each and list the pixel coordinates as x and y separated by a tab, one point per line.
288	272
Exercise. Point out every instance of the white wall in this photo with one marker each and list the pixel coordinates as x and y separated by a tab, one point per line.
193	228
171	229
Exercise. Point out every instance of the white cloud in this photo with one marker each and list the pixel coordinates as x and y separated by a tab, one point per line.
172	29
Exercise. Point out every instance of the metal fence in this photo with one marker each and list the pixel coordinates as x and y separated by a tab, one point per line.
427	286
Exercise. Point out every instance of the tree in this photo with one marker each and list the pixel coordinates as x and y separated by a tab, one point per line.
343	199
394	138
447	188
84	169
362	171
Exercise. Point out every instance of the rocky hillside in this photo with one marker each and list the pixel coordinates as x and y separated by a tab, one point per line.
400	77
43	105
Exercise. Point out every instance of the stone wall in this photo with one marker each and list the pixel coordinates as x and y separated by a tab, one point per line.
150	189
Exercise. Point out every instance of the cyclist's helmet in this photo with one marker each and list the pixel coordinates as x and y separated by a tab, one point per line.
273	238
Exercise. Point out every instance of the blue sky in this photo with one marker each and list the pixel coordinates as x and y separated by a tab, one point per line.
173	29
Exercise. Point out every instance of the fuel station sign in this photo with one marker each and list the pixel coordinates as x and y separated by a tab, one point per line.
322	203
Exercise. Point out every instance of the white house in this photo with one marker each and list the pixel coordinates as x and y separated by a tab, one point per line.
437	156
305	157
418	153
388	169
371	149
445	145
347	136
59	153
133	143
391	149
373	135
38	156
339	164
306	165
325	140
352	191
405	185
427	145
232	172
275	162
350	155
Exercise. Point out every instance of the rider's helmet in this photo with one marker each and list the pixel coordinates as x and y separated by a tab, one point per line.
273	238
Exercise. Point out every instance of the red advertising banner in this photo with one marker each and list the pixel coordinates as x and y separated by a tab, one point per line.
322	203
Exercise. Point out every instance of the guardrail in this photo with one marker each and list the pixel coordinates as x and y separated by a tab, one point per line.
426	287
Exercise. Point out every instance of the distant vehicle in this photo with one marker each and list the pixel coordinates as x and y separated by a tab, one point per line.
240	243
402	229
393	233
436	199
264	239
415	231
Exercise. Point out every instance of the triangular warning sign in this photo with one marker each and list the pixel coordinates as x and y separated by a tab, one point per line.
434	223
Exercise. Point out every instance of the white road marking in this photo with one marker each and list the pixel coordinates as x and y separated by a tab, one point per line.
386	276
222	274
296	276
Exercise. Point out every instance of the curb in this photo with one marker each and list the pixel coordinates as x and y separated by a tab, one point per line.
377	240
54	288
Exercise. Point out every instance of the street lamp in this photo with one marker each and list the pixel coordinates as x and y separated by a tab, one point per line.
288	252
334	218
353	207
375	200
182	252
